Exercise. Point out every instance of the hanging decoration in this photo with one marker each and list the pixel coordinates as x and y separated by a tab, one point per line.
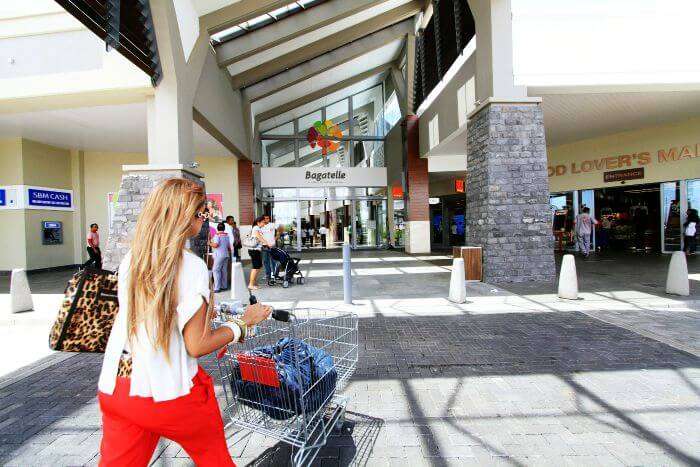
320	134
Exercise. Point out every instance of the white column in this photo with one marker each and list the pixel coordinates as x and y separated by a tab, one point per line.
494	51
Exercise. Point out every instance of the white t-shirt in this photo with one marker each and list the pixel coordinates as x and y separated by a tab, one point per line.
268	233
152	375
323	231
254	234
229	230
690	229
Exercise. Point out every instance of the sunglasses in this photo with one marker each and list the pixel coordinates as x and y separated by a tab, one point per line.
202	215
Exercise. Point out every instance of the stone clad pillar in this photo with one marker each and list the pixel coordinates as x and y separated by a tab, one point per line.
507	211
137	183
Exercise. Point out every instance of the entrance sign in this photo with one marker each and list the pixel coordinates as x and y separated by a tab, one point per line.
317	177
621	175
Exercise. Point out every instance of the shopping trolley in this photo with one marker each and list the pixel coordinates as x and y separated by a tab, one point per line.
284	382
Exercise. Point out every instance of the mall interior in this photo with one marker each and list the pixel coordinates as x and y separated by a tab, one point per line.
410	124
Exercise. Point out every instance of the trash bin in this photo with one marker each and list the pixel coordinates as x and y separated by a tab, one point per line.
472	261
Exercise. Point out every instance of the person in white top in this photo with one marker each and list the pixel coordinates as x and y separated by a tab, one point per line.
269	233
323	231
151	385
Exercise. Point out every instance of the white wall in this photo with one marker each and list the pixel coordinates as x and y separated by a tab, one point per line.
559	43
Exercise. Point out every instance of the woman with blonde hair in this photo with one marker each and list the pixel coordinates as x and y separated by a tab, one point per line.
151	384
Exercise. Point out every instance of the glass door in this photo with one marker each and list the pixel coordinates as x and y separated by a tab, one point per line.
670	217
286	217
588	201
692	201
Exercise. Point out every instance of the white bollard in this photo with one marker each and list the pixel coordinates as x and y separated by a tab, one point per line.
677	282
239	288
458	288
20	295
568	281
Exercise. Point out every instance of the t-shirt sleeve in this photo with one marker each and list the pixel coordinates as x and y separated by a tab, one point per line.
194	290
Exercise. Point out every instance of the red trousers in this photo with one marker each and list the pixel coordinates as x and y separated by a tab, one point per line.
132	426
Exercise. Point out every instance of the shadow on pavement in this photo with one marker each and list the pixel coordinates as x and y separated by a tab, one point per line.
350	448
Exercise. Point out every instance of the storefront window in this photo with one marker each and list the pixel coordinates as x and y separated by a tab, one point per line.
562	206
693	191
671	216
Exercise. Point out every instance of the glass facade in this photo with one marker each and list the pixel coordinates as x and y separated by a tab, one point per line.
358	216
638	218
362	124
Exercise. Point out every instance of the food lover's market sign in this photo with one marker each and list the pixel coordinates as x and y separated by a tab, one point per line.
626	166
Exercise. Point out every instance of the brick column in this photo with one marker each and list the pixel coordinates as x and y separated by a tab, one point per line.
417	189
246	193
507	211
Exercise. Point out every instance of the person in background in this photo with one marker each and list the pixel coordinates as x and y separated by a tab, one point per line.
584	228
235	236
151	384
93	248
221	250
323	231
690	232
269	233
256	252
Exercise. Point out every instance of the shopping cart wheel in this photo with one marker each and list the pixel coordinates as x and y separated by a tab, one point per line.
285	284
343	427
301	280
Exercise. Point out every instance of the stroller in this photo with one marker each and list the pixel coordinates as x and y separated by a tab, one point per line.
286	270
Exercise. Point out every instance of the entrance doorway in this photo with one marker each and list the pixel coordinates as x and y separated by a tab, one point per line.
447	222
361	222
629	219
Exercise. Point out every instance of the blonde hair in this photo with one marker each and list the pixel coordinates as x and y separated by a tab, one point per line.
157	249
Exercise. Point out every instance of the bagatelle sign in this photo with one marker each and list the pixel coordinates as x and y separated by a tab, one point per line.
301	177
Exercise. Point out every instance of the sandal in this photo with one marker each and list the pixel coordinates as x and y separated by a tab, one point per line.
255	287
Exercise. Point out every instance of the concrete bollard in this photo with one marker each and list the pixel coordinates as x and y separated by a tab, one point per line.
458	287
568	281
677	282
239	288
20	295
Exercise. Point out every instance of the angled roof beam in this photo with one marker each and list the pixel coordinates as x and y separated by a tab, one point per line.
322	92
328	61
308	52
237	13
289	28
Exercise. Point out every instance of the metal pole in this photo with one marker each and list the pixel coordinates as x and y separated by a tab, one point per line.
347	279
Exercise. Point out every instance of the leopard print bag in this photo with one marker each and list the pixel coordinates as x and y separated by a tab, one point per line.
87	313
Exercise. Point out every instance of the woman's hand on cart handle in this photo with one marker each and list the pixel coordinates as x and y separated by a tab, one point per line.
256	313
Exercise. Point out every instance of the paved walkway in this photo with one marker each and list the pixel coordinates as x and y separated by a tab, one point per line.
513	377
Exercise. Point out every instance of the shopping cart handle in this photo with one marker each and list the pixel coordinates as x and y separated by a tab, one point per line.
281	315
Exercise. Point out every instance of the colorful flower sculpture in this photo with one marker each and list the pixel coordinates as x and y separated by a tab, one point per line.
320	134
